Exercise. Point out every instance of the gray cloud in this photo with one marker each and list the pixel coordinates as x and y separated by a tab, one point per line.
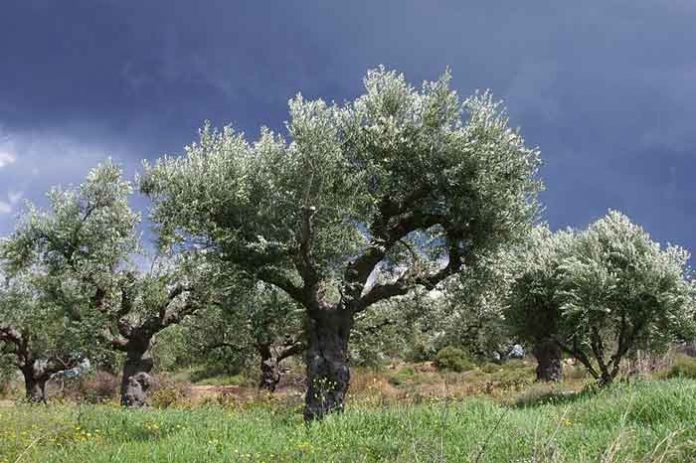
606	89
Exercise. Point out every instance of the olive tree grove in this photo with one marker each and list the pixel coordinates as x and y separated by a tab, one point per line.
353	189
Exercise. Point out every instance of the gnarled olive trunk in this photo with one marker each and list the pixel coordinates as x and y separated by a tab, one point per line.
136	378
605	379
327	361
548	355
270	375
35	384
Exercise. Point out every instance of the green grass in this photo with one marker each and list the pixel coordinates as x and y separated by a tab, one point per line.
643	422
225	380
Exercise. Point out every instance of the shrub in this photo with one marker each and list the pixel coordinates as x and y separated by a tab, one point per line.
454	359
169	393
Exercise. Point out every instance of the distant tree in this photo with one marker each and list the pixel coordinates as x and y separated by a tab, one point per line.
474	305
359	187
264	324
396	328
148	304
39	336
55	262
620	292
72	266
533	312
599	295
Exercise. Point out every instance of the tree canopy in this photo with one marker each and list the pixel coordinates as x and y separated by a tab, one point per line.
356	188
621	291
600	294
59	264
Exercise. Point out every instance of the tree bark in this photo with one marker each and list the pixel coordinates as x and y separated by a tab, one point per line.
606	379
136	378
35	385
327	361
548	355
270	376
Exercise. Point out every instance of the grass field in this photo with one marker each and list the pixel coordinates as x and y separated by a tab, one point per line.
651	421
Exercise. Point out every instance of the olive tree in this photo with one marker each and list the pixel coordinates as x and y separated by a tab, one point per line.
533	310
621	291
74	263
352	188
39	335
262	324
55	261
148	303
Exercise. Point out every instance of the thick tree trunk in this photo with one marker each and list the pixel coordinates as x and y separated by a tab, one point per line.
327	362
548	355
136	378
605	380
607	374
35	385
270	376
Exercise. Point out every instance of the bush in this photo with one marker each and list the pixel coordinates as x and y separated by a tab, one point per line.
168	393
454	359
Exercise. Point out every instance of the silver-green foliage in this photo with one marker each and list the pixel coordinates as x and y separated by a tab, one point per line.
532	307
55	260
622	291
361	177
602	293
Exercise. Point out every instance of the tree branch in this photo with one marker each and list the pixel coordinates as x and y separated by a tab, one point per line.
277	279
10	334
117	342
579	355
406	282
598	350
384	239
296	348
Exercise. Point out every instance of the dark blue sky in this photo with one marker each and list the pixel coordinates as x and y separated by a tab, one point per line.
606	89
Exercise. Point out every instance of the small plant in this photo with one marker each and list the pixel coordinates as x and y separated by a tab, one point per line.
453	359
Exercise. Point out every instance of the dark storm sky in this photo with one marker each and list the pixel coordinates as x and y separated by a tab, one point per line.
606	89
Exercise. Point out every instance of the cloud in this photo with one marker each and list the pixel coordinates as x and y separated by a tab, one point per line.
59	156
6	158
13	197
